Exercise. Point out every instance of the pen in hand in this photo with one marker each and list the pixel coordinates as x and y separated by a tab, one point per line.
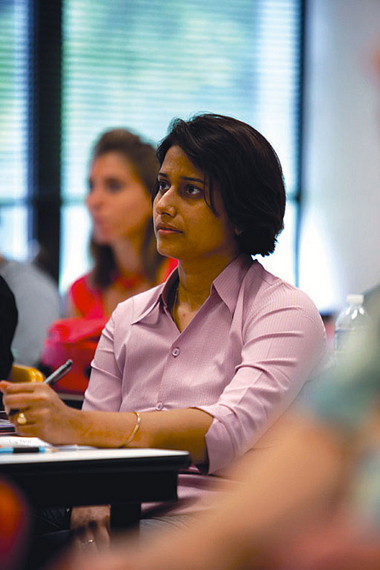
59	373
52	379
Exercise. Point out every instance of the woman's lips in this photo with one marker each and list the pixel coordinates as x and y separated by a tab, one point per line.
164	229
168	231
99	221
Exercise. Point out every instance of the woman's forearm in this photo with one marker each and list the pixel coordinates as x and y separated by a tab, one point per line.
183	429
50	419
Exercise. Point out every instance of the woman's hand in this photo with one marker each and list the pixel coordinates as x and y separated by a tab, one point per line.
91	528
44	415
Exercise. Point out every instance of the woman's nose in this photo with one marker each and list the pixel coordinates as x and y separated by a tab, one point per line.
94	199
165	203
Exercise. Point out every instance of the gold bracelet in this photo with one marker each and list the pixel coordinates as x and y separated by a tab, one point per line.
135	429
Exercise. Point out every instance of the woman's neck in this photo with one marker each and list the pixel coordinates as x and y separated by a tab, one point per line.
128	257
195	282
131	279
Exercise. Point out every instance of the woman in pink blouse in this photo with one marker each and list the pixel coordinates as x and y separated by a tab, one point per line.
209	360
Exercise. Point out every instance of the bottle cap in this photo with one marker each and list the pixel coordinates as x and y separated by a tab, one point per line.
355	298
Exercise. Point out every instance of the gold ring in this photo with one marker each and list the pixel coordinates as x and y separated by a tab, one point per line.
21	419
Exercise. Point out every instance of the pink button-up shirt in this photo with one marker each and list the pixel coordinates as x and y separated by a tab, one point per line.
243	358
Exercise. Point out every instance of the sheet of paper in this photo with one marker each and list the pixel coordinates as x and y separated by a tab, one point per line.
19	441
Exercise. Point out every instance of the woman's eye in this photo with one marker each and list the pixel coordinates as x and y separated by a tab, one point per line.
193	190
114	185
162	186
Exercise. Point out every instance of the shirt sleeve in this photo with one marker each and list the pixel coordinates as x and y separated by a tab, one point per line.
104	390
284	345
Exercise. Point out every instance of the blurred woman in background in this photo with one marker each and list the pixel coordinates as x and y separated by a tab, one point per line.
123	170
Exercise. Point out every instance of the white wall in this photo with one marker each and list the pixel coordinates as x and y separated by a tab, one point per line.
340	234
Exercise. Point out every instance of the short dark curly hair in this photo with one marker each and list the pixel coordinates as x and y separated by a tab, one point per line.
245	167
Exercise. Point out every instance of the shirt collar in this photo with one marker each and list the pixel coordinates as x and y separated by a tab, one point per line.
229	281
227	285
159	296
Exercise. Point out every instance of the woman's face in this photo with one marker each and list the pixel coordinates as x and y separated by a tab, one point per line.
186	228
118	201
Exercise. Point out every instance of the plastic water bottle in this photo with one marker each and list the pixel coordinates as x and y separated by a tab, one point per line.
350	324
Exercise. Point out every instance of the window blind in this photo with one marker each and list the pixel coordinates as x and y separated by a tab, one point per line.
13	127
138	64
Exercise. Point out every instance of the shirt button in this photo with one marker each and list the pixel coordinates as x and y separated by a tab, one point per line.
159	406
176	351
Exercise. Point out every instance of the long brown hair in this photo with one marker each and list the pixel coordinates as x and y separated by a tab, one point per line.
142	157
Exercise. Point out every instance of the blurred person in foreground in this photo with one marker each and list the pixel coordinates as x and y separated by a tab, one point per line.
14	527
210	359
